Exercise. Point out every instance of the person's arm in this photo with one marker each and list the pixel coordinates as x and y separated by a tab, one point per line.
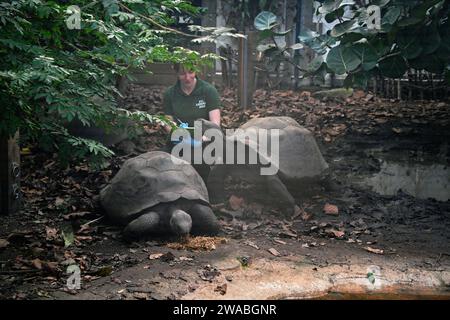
167	127
214	116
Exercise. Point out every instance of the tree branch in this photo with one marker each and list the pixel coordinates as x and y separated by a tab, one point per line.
156	23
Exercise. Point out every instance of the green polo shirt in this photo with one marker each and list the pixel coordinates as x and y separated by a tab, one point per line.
187	108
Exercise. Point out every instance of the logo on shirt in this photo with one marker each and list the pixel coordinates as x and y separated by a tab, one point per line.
200	104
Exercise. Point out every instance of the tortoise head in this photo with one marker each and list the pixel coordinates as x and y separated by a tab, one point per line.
180	222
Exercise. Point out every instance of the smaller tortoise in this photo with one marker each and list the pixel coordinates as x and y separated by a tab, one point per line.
156	193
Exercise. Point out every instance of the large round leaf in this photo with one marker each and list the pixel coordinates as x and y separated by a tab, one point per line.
342	60
393	66
391	15
381	45
315	64
330	17
357	80
342	28
367	55
430	40
265	20
409	43
433	64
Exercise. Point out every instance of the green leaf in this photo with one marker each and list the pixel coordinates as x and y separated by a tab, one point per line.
296	46
409	21
315	64
351	37
430	40
367	55
265	20
381	45
265	47
432	63
329	6
330	17
391	16
342	60
380	3
356	80
346	3
393	67
409	43
342	28
265	34
68	236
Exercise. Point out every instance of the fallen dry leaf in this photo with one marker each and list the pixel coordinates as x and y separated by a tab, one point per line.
37	263
198	243
235	202
75	215
51	233
331	209
221	288
59	201
373	250
335	233
155	256
3	243
251	244
185	259
274	252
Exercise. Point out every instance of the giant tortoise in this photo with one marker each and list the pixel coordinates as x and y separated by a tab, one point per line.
156	193
300	159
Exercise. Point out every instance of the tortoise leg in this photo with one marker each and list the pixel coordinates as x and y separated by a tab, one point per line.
277	188
204	221
216	183
143	225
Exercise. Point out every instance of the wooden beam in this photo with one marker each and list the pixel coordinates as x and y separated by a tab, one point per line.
9	174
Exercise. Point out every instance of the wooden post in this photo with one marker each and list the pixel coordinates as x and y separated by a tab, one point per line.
242	74
9	174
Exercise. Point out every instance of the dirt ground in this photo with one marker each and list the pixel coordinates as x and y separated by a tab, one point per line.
388	238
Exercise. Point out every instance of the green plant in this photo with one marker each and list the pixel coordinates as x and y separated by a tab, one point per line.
51	75
412	34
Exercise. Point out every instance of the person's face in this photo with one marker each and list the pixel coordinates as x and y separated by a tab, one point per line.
186	77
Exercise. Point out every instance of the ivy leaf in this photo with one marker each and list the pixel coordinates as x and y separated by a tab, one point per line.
342	60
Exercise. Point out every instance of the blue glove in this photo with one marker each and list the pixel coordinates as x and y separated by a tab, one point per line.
183	125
